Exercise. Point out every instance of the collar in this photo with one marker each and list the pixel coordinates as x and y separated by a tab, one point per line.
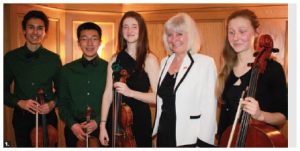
94	62
182	72
29	54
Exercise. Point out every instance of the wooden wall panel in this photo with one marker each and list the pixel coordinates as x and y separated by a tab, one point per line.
212	39
52	39
155	32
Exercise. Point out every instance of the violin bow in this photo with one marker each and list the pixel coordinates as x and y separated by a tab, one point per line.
237	115
36	126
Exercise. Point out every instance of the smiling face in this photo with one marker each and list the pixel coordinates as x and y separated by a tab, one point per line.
241	34
177	40
89	42
34	32
130	30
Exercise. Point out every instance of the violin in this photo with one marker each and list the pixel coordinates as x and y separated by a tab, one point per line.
122	135
90	141
249	132
44	135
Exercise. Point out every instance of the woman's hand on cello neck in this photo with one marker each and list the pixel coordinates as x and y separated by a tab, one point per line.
251	106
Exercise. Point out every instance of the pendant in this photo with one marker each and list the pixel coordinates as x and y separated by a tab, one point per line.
238	82
174	76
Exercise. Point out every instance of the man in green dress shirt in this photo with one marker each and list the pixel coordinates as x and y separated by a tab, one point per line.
30	68
82	84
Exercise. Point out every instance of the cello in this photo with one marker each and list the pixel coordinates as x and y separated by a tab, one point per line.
44	135
249	132
90	141
122	120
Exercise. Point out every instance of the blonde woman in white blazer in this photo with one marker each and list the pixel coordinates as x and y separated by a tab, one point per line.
186	104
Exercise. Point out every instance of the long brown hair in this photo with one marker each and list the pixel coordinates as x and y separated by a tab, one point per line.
229	55
142	42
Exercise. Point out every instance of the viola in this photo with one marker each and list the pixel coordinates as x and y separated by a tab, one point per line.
44	135
250	132
90	141
122	135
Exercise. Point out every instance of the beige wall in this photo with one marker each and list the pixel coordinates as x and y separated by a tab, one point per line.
64	19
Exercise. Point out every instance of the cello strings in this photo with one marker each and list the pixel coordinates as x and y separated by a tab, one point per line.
246	116
241	131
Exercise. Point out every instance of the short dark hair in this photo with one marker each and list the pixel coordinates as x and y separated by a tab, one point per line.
89	26
36	14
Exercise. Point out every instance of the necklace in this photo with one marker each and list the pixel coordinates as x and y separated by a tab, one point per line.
238	82
175	75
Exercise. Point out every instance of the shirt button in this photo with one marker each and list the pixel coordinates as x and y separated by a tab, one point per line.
88	93
88	82
32	83
227	109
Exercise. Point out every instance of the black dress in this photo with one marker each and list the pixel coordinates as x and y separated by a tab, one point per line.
138	81
271	93
166	134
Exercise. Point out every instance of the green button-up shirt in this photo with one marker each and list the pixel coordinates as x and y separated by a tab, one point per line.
29	72
81	85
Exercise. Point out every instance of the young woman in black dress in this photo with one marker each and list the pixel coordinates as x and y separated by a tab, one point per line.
142	66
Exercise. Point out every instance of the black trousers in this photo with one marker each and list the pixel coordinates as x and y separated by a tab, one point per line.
24	122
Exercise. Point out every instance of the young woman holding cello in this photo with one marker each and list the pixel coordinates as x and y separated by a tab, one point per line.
135	58
268	105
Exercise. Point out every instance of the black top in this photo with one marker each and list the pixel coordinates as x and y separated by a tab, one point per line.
138	81
271	93
166	134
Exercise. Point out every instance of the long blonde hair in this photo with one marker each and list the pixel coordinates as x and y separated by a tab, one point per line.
228	54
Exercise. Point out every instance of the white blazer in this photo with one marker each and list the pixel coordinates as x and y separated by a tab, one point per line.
195	102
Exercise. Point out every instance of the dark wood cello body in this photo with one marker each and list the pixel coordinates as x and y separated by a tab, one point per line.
44	135
122	135
249	132
259	135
